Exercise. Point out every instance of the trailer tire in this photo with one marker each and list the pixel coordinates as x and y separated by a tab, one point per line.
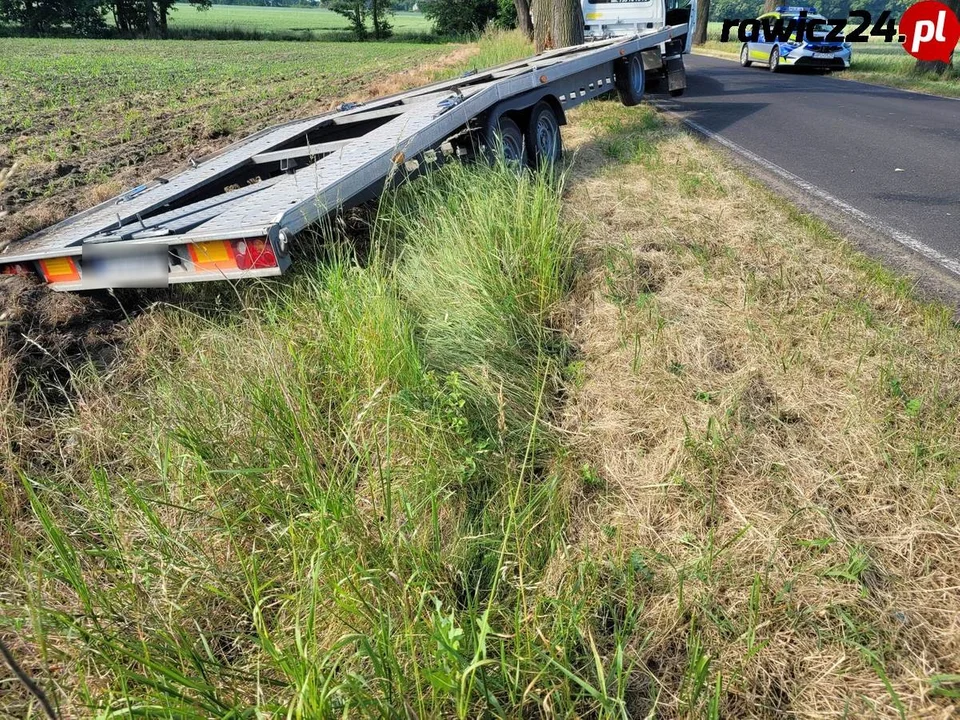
544	142
505	140
630	79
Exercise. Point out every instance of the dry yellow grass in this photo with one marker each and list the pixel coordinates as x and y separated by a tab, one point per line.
774	419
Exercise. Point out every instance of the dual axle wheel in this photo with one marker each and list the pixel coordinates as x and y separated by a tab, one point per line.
537	144
533	139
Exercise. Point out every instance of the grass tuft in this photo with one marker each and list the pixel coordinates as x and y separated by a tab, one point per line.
339	500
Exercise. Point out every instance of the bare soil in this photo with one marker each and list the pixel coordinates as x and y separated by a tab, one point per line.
43	335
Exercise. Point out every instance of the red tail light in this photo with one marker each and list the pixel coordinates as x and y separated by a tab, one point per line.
254	254
16	269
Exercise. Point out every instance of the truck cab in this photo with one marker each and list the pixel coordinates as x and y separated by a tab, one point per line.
614	18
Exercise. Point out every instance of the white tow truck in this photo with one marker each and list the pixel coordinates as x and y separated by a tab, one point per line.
615	18
235	214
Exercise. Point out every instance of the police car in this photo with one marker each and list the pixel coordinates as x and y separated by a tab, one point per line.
794	50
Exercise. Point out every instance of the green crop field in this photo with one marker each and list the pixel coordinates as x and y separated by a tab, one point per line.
285	22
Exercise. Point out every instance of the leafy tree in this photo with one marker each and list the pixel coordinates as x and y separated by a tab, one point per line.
145	17
524	21
379	9
40	17
506	14
459	17
356	12
700	28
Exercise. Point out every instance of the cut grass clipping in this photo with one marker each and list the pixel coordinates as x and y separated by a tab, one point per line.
338	502
767	425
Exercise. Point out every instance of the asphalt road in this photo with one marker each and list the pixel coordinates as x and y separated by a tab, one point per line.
888	159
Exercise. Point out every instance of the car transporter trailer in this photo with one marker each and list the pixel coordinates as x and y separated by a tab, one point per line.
234	214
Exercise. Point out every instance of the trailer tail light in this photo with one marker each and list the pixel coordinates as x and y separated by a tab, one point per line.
61	269
254	254
214	255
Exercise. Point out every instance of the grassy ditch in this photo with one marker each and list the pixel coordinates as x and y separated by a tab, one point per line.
333	497
647	442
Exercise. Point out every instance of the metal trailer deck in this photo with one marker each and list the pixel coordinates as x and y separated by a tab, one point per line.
233	214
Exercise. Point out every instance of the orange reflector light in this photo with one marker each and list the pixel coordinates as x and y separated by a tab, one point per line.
61	269
214	255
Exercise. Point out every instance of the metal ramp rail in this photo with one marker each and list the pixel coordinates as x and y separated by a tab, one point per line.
233	214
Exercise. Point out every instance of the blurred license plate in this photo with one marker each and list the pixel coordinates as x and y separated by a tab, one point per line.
125	265
822	56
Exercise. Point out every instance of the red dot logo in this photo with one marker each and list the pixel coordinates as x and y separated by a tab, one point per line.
930	30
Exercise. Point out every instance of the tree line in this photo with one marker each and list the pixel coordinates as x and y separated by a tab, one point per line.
145	18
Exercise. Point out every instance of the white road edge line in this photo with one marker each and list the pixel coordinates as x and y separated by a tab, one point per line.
870	221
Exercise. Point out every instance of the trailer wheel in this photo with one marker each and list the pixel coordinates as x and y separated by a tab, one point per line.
544	143
629	79
504	139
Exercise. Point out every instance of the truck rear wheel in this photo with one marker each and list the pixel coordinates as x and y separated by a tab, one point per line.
629	79
544	143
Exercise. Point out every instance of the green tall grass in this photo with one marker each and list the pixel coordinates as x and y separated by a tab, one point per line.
340	500
497	47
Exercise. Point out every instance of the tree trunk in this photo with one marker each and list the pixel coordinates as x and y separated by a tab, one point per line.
700	29
938	66
557	23
152	20
768	5
524	21
540	15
